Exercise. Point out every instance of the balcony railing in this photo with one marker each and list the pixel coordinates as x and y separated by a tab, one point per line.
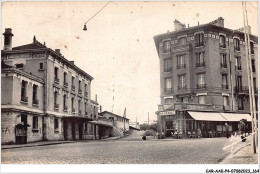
80	112
35	101
224	86
24	99
65	108
73	110
240	107
182	87
241	89
80	91
238	67
200	64
180	66
222	45
223	65
73	88
201	86
56	106
168	90
169	69
65	84
237	48
56	80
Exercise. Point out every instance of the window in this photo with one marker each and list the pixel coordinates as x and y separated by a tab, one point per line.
19	66
80	87
167	64
168	101
56	76
94	111
35	100
238	83
181	62
201	81
79	108
253	65
181	82
223	60
254	83
200	59
182	40
222	41
252	47
24	97
72	83
72	105
86	109
65	79
41	66
56	106
224	81
166	46
65	102
236	44
199	40
35	122
240	103
225	101
202	99
238	63
168	84
56	124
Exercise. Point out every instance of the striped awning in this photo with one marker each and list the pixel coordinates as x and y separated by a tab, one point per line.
236	116
207	116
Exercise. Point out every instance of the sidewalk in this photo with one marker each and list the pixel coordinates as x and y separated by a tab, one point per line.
242	155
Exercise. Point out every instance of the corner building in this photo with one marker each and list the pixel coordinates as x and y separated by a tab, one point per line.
44	96
204	79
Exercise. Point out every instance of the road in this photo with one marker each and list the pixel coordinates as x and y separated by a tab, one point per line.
184	151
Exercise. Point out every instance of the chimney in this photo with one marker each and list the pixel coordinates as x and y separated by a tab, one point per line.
218	22
178	25
57	51
72	62
8	39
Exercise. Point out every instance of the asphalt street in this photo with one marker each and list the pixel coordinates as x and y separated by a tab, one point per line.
184	151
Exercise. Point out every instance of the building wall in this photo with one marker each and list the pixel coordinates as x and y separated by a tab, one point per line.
7	90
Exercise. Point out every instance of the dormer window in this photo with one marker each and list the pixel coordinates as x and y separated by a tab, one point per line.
19	66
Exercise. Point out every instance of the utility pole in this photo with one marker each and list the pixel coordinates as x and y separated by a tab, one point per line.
148	118
250	77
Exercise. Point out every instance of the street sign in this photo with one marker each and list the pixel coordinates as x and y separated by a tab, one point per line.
167	113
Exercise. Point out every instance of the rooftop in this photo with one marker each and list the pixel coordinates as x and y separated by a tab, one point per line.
102	113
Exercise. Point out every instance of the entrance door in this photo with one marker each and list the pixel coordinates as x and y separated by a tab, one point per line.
21	131
73	130
80	131
65	129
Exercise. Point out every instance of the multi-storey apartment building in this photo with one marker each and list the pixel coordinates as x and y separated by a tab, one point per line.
44	96
203	68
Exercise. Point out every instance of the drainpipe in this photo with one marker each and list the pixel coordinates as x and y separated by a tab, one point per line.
45	92
231	79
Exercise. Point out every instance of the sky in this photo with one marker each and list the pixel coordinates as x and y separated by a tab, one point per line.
118	49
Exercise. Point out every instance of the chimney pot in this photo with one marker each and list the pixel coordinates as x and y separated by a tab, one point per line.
8	39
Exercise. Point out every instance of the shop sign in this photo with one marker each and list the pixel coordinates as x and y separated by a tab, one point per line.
167	113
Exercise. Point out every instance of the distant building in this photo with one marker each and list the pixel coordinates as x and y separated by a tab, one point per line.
203	78
44	96
134	125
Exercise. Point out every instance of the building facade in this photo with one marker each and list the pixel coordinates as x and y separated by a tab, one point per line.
44	96
204	69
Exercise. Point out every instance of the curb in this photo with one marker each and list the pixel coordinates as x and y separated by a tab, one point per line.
35	145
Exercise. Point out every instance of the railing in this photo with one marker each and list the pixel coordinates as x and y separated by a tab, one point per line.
182	87
168	90
180	66
80	91
168	69
56	80
200	86
224	86
35	101
241	89
65	108
236	48
24	99
65	84
200	64
223	65
56	106
73	88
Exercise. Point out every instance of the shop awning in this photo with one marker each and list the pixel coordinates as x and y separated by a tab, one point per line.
236	116
206	116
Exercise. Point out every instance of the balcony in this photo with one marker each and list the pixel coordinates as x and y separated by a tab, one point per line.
224	86
240	107
73	110
24	99
73	88
86	94
65	84
65	108
223	65
169	69
168	90
222	45
181	66
241	89
35	102
201	86
236	48
56	80
182	87
56	106
200	64
80	91
80	112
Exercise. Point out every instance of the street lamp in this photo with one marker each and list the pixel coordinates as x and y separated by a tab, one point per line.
85	27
